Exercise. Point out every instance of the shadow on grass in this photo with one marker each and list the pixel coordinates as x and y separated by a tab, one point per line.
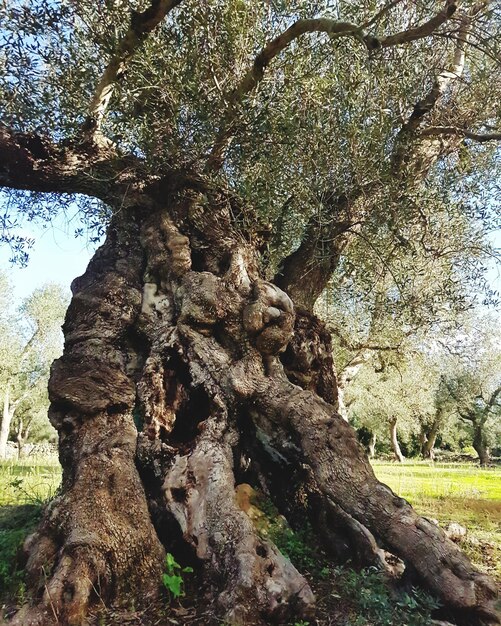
16	523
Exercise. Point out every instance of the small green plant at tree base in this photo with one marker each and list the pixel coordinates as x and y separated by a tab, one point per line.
172	578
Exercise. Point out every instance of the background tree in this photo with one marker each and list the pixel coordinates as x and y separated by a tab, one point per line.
437	420
473	387
32	340
246	153
395	399
30	421
476	405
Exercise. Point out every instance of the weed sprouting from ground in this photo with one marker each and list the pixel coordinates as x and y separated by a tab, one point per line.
173	577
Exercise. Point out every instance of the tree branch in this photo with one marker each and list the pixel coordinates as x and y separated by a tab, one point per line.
141	25
466	416
305	273
334	29
414	162
386	9
34	163
424	30
492	400
431	131
256	73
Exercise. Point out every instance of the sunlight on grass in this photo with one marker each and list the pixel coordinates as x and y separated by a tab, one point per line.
441	480
28	481
452	492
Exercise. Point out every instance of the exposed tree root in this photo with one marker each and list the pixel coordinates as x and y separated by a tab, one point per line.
345	477
250	575
96	540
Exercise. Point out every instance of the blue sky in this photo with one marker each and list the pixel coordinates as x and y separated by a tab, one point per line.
57	256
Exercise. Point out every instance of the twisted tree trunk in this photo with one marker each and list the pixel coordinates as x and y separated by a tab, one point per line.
170	392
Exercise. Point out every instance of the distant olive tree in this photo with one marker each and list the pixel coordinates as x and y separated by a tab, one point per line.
31	341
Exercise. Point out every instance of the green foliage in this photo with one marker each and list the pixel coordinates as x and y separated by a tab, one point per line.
300	548
172	578
295	545
31	341
324	121
376	603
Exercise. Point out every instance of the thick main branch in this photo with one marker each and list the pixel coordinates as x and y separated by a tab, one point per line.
424	30
34	163
408	144
306	272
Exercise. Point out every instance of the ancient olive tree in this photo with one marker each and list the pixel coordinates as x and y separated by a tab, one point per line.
242	150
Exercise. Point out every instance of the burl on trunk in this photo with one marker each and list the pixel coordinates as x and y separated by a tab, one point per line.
181	377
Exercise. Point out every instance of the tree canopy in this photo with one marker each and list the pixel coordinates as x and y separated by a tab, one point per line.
362	135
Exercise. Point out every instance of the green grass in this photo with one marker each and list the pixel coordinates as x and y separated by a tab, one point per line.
440	480
445	491
28	481
24	486
453	492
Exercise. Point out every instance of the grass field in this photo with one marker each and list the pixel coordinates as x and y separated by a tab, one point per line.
29	481
453	492
447	492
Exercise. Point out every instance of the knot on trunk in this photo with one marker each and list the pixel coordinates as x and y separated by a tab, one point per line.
269	319
168	251
202	300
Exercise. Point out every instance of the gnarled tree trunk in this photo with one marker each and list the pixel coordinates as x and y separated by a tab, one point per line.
170	392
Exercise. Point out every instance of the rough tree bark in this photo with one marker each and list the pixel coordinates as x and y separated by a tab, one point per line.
170	392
